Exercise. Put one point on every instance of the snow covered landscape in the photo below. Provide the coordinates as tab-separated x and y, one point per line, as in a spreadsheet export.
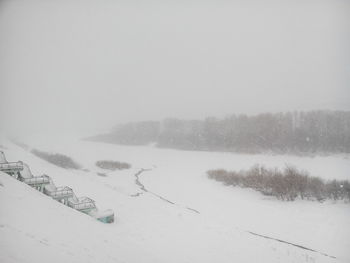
167	210
174	131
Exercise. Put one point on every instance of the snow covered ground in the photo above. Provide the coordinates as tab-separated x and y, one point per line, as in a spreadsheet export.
170	212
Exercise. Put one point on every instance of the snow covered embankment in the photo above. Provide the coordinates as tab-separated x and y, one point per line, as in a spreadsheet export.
35	228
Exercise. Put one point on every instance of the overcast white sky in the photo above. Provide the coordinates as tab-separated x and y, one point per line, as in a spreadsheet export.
81	65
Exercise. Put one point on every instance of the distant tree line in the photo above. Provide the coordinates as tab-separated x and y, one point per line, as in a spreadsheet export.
314	131
286	185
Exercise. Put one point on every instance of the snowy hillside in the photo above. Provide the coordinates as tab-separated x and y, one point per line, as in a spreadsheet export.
166	210
34	228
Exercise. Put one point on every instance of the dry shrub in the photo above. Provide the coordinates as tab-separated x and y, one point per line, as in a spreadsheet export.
112	165
287	184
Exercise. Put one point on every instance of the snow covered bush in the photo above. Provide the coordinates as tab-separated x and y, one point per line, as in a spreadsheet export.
287	185
112	165
57	159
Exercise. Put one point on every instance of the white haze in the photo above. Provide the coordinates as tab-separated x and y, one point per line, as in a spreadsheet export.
82	65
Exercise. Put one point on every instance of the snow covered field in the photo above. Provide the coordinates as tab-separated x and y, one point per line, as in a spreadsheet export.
170	212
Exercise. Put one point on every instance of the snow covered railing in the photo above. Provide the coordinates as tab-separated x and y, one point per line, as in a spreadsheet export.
36	180
64	194
82	203
3	157
87	205
11	167
60	192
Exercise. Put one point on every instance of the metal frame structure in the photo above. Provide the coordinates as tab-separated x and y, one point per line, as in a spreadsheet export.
63	194
83	204
12	168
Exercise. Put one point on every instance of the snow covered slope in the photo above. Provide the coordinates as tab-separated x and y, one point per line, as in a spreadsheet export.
166	211
35	228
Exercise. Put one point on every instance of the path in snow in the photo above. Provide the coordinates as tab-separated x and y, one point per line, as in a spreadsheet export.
144	189
292	244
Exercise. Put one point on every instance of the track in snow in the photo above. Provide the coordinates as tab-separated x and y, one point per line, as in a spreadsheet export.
292	244
144	189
